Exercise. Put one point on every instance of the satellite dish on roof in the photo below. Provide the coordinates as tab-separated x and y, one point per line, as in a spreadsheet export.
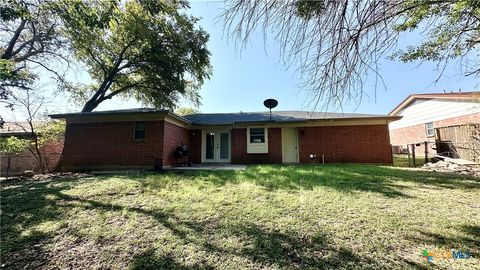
270	103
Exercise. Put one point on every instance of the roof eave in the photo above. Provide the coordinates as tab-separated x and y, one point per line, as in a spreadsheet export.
179	117
95	114
410	98
81	115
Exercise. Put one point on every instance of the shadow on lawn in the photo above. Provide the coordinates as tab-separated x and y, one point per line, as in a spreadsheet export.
291	250
259	245
266	247
388	181
467	239
26	205
149	260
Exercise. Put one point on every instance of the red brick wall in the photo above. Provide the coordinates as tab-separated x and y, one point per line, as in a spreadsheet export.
174	136
417	133
52	151
196	146
111	145
239	147
345	144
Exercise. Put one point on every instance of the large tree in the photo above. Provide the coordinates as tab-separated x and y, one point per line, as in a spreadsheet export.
29	42
338	44
148	50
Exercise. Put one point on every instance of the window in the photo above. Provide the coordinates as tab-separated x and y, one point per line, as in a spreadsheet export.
257	135
429	129
257	140
139	131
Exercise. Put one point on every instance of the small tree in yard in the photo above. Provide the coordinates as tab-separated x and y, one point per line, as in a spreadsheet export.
31	103
40	135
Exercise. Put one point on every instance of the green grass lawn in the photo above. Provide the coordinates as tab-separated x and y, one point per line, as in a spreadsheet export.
401	160
267	217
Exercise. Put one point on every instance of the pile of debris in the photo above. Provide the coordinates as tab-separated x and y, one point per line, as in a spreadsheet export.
30	176
59	176
452	166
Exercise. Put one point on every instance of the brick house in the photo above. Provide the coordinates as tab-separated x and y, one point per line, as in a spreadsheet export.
135	138
422	113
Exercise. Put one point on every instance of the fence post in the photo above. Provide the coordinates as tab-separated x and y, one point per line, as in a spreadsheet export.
8	166
413	155
426	152
408	151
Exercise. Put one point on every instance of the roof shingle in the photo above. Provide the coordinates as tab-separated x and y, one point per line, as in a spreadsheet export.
277	116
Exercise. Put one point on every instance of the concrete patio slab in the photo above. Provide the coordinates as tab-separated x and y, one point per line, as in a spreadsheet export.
211	167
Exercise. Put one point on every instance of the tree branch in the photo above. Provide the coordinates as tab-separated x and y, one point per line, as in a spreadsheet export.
7	54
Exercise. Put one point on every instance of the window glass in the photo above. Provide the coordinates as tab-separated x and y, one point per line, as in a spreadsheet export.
209	143
224	145
139	130
429	129
257	135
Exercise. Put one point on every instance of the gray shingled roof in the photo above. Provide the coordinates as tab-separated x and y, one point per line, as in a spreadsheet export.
241	117
277	116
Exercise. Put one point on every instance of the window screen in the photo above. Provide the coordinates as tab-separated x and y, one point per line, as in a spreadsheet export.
257	135
139	131
429	129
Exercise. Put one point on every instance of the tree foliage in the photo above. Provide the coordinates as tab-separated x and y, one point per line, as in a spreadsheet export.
148	50
49	131
10	146
338	44
453	31
45	132
186	111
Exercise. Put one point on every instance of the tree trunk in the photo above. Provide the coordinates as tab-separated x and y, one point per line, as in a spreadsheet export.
90	105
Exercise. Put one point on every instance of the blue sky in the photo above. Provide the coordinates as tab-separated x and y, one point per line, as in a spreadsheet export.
242	80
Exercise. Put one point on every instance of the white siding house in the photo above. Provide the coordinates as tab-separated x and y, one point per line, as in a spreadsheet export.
422	113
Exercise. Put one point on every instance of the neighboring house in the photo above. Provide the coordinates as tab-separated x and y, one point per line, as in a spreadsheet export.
136	138
422	113
17	129
25	161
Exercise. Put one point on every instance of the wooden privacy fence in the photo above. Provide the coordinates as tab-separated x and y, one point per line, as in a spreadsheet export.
460	141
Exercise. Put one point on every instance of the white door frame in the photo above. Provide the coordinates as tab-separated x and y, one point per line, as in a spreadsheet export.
217	145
